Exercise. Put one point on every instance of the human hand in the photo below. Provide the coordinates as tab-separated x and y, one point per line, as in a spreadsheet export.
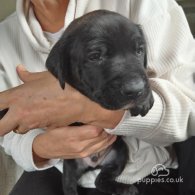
37	103
40	103
70	142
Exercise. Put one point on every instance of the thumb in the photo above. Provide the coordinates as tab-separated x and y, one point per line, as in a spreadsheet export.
23	73
27	76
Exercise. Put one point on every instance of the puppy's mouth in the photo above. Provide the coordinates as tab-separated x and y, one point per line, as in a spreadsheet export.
130	105
114	100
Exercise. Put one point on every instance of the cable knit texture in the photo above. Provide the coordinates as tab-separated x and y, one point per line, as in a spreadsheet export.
171	66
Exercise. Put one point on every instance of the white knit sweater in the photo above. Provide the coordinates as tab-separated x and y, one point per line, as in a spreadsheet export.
171	61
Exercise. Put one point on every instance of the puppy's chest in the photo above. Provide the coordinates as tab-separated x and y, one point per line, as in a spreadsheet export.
96	160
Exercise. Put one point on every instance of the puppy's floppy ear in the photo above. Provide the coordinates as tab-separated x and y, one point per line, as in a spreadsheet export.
58	61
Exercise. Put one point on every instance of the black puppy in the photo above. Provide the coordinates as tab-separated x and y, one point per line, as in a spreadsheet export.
103	55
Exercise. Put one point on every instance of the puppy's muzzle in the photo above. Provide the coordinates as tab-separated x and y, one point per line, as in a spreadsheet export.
134	89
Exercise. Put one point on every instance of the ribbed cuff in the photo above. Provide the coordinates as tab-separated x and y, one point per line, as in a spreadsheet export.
140	127
27	154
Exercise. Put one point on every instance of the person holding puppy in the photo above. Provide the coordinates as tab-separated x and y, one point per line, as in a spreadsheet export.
41	104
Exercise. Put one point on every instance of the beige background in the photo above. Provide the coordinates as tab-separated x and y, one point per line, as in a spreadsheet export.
6	8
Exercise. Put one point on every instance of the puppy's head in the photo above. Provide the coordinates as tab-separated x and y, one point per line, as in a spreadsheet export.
103	55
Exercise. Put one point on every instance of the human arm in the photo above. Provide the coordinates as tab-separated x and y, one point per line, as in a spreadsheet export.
11	143
39	150
40	103
31	150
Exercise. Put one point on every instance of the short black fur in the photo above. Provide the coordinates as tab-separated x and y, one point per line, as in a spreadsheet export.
103	55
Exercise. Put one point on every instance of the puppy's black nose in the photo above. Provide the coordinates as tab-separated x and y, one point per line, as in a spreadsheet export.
133	89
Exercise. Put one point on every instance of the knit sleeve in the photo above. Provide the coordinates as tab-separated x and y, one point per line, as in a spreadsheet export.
20	148
171	65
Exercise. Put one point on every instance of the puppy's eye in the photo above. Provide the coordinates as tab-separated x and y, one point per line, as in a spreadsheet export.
140	50
94	56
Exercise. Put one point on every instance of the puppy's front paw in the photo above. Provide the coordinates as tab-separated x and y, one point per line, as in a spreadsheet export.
143	108
132	190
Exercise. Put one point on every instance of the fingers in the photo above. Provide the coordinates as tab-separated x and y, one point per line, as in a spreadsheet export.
4	99
104	136
95	140
22	73
3	112
21	130
98	147
62	143
27	76
7	124
86	132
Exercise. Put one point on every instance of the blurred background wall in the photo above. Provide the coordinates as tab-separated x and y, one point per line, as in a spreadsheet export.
189	8
6	8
